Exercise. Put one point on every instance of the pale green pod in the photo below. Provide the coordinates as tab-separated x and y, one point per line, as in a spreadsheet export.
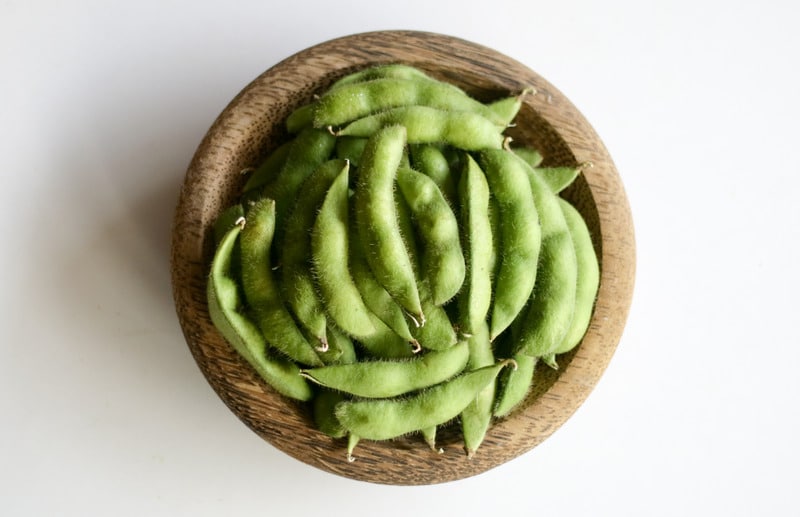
504	111
379	301
430	160
350	148
300	118
393	70
383	343
552	305
513	386
376	218
429	435
262	291
297	281
340	341
479	247
356	100
425	125
588	278
558	178
310	149
477	416
531	156
384	379
519	236
266	172
442	259
330	255
240	332
383	419
437	333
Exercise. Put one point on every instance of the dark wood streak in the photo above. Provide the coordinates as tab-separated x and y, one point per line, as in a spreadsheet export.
251	126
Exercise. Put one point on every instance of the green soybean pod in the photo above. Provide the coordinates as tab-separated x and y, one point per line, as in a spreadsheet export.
477	416
588	278
430	160
383	419
300	118
227	220
394	70
376	218
310	149
297	280
350	148
379	301
504	111
513	386
353	101
425	125
323	408
429	435
262	291
437	333
552	304
243	335
330	255
520	236
558	178
530	155
265	173
476	296
341	342
384	379
383	343
437	227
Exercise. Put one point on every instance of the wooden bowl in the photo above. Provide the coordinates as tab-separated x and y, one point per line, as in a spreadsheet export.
251	126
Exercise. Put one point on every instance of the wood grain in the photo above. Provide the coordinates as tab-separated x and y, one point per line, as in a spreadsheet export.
251	126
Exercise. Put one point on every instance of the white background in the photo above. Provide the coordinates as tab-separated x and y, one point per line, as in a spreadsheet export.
104	412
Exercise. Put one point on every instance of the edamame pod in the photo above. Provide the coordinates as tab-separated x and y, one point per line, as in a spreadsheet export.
310	149
261	290
431	161
353	101
266	172
241	333
383	379
376	218
383	343
588	278
297	280
324	418
330	256
514	385
383	419
519	239
379	301
300	118
552	303
395	70
441	256
531	156
350	148
558	178
476	297
477	416
424	125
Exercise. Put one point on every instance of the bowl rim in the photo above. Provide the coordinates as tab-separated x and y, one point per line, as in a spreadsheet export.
252	114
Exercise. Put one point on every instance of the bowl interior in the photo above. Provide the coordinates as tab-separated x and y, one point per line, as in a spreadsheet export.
252	126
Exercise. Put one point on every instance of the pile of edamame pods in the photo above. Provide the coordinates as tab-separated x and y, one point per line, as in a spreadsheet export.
398	265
